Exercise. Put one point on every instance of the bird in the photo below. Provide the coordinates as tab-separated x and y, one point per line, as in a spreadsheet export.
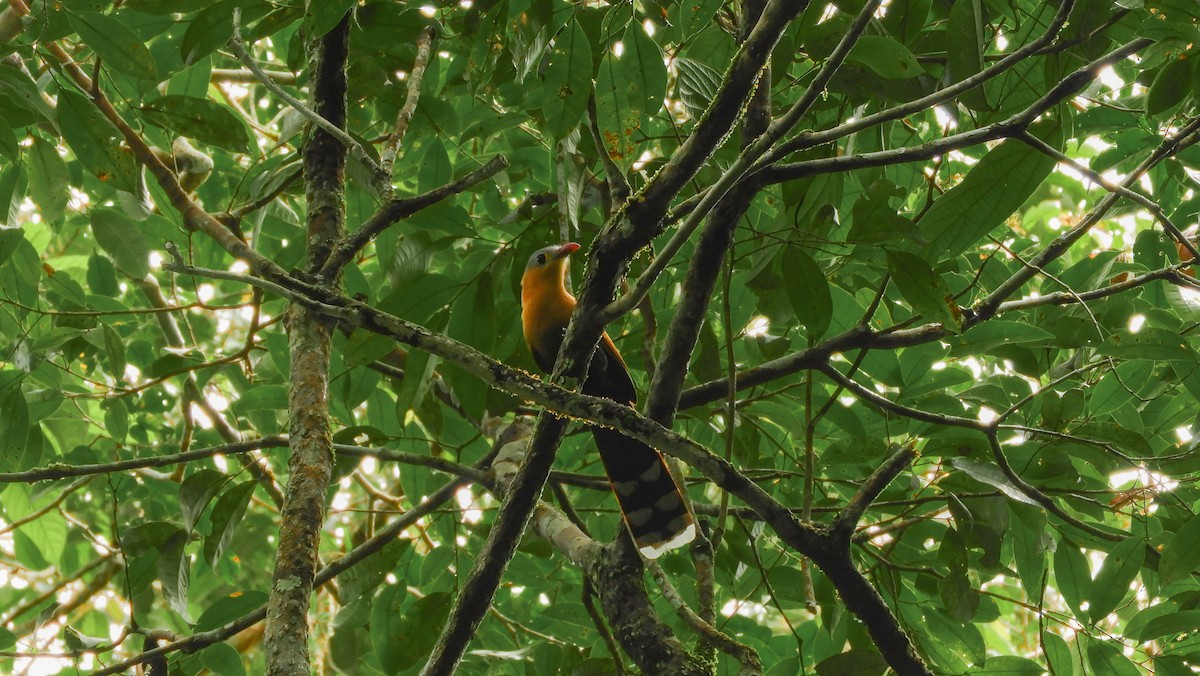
652	504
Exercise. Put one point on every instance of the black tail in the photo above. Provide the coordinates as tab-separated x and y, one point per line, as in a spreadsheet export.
652	504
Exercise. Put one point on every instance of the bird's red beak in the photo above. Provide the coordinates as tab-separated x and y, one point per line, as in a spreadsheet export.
566	250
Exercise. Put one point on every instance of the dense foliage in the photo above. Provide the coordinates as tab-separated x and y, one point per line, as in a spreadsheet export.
944	249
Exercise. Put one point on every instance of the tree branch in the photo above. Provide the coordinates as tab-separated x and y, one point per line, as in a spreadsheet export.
285	638
397	209
388	156
741	166
847	520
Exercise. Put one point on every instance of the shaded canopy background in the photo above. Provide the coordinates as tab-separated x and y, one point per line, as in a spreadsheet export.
992	276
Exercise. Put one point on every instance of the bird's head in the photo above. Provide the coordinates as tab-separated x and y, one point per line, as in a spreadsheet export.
549	263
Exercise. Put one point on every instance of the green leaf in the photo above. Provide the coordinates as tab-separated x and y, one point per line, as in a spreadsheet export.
322	17
1114	389
8	141
14	421
696	16
200	119
951	639
1030	544
122	239
405	638
964	49
365	347
116	419
387	626
174	572
994	188
167	6
19	90
445	216
7	639
173	363
698	85
118	46
1072	575
886	57
924	290
48	183
364	578
1157	344
1108	659
77	641
863	662
1063	661
207	31
419	369
434	168
987	336
629	89
808	292
1170	87
1119	569
1182	553
567	83
354	386
195	493
226	515
1009	665
222	658
263	398
473	321
114	347
1171	624
229	608
991	475
96	142
958	598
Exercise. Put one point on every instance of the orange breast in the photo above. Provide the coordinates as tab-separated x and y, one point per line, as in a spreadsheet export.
545	311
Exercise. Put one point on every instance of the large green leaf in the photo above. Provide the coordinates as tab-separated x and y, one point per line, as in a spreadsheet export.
229	608
14	420
322	17
1109	659
195	493
568	81
808	291
222	658
96	141
994	188
226	515
1182	554
925	290
199	119
886	57
402	638
118	46
1111	585
1072	575
207	31
965	49
48	180
122	239
629	89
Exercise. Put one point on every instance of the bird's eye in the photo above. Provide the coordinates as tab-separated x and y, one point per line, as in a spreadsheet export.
541	258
